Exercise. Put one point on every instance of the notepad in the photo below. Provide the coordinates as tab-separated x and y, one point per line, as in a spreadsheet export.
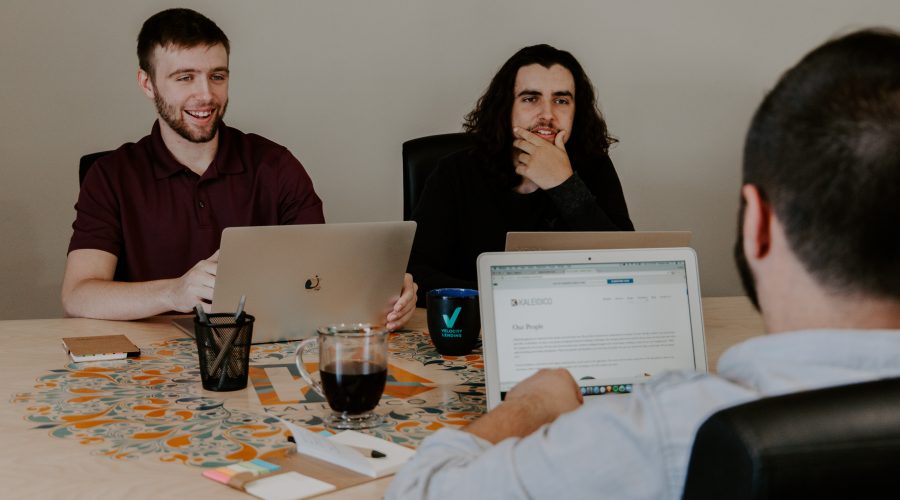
99	348
268	481
287	486
342	450
320	464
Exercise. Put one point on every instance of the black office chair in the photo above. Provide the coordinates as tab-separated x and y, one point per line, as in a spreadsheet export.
840	442
86	161
420	157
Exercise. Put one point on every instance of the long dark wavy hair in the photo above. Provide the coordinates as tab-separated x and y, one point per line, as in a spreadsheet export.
490	123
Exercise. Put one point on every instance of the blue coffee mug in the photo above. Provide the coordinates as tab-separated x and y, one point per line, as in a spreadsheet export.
453	320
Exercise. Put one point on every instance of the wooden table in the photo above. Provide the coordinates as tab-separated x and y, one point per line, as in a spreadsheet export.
50	460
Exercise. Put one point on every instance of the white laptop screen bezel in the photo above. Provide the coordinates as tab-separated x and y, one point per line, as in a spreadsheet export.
488	260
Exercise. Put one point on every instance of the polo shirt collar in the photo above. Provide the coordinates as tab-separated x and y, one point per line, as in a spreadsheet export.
166	164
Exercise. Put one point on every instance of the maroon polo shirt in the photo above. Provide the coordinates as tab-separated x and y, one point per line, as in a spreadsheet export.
160	218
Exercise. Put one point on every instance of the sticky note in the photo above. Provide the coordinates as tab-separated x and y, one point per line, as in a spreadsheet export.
267	465
255	467
217	475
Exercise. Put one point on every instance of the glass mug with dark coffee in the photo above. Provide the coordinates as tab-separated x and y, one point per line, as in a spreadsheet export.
353	369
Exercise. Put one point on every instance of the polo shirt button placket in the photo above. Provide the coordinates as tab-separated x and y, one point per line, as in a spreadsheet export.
203	215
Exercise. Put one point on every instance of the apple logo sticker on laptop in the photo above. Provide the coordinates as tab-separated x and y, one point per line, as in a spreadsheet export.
312	283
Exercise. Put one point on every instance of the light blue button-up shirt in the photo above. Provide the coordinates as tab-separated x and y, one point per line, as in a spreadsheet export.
638	445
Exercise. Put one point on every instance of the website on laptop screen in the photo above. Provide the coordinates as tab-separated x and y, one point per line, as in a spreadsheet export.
610	324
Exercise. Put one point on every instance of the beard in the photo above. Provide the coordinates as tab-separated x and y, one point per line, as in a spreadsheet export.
740	260
172	116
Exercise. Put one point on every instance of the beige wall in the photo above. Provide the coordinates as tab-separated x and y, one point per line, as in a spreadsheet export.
343	84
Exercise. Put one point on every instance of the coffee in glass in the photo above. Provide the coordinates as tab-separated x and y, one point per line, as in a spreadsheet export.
353	372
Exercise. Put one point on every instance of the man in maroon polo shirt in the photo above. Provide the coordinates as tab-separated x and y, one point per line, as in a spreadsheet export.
150	215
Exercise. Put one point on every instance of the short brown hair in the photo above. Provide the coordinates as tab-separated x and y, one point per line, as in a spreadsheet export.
824	150
183	28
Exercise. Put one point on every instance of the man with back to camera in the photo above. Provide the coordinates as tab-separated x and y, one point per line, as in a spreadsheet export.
817	249
150	215
539	163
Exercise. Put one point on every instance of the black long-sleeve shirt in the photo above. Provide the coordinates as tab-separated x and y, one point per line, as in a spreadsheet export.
464	212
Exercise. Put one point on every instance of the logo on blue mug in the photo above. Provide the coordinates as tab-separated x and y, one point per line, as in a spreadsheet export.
450	321
453	321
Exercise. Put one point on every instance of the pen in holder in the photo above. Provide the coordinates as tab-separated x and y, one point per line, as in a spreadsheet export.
223	346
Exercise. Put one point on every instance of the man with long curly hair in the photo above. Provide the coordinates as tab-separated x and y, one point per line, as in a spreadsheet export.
538	162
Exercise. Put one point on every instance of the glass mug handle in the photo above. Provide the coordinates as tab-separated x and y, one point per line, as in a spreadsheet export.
298	360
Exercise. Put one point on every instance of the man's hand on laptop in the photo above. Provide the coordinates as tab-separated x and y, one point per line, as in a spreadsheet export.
405	305
533	402
195	286
550	393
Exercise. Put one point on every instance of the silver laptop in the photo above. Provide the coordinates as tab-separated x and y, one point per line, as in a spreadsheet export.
613	318
518	241
298	278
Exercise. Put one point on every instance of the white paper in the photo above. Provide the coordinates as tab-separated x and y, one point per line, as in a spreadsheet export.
288	486
396	455
337	450
318	446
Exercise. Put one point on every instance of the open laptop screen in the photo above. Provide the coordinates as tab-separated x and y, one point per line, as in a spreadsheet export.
612	324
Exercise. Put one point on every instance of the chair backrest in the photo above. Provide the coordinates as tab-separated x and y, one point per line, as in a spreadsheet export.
86	161
420	157
839	442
